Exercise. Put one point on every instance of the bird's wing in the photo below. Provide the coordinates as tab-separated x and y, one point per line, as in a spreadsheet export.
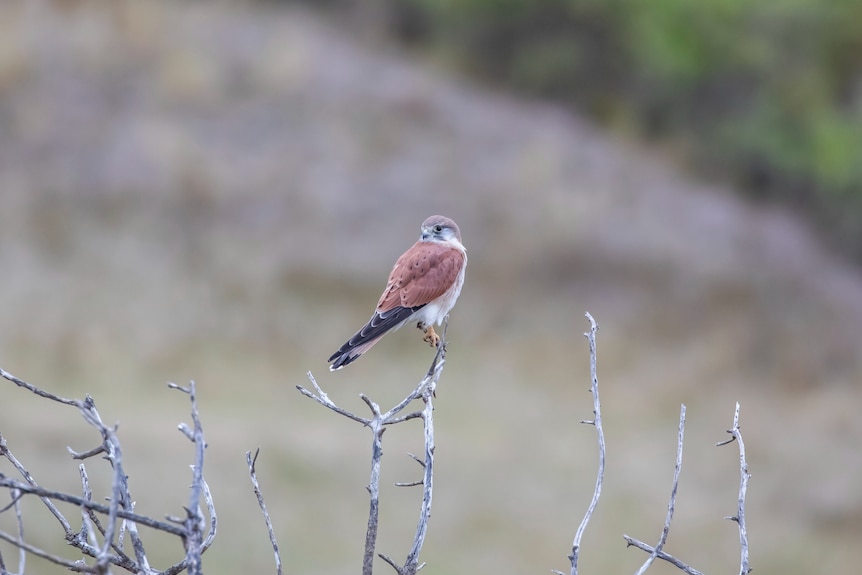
422	274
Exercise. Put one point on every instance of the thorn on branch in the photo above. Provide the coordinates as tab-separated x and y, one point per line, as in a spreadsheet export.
416	459
391	563
186	430
727	441
409	484
86	454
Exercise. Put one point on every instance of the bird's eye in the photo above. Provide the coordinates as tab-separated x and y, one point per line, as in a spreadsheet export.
438	228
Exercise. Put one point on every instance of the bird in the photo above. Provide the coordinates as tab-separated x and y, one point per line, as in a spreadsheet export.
423	286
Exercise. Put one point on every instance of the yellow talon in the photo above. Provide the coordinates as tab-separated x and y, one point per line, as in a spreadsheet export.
431	336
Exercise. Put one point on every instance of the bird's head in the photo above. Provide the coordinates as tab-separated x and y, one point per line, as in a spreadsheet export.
440	229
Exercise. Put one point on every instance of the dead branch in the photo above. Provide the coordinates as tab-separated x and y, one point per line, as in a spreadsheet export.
657	552
194	522
632	542
597	423
42	493
744	476
103	527
252	462
378	422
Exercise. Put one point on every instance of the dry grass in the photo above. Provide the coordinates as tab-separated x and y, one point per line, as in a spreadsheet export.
217	193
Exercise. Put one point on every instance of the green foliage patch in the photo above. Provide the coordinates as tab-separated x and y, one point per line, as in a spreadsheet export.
767	93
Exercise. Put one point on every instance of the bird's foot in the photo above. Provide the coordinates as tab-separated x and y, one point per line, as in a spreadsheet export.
431	336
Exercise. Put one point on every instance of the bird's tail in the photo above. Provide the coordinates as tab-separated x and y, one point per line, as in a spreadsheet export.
379	325
349	353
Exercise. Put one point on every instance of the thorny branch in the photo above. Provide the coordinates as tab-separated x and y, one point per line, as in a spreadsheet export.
597	422
112	521
425	391
744	476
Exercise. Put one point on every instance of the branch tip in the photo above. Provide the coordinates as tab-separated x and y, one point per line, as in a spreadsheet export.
600	436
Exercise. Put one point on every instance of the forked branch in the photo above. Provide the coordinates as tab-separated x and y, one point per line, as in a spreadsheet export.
657	552
378	422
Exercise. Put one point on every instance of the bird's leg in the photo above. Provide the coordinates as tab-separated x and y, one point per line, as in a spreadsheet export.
430	335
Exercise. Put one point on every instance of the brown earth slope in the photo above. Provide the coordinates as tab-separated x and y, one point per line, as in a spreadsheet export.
217	193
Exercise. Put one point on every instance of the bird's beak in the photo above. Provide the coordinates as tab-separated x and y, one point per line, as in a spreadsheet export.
425	235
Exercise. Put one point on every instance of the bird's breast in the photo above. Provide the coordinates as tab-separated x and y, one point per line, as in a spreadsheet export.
436	310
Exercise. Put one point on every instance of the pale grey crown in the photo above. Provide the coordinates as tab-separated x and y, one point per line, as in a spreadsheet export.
440	229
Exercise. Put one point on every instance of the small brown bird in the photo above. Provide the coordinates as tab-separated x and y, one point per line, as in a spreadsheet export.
423	286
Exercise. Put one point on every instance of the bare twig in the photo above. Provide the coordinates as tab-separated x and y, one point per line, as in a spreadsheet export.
597	422
413	483
119	484
377	430
3	570
744	476
43	493
409	483
5	452
76	566
252	461
193	523
210	503
657	551
86	511
22	556
194	519
89	519
377	423
323	399
118	516
631	541
32	388
16	496
411	565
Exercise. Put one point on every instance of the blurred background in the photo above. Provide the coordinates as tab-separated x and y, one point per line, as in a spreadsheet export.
217	191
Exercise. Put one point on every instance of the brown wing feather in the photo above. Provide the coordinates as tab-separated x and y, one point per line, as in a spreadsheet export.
421	275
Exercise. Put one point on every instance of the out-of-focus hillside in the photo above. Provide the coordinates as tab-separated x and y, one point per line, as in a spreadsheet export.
765	94
217	192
